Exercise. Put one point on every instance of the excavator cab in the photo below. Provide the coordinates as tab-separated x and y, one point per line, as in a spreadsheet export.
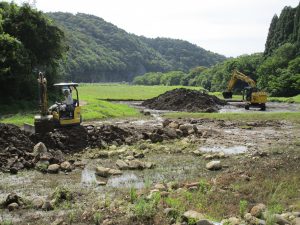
67	112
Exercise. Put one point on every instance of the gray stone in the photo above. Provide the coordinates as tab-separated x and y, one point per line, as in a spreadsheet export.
66	166
102	171
53	168
39	148
170	132
136	164
174	125
13	206
115	172
192	215
204	222
280	220
122	165
45	156
258	210
47	206
160	187
214	165
38	203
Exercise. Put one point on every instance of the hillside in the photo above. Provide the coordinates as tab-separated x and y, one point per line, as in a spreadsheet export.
100	51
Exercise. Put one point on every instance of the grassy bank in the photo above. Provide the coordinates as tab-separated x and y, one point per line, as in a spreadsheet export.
257	116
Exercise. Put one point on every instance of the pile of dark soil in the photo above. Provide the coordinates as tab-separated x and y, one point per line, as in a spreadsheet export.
74	139
104	135
66	139
185	100
15	148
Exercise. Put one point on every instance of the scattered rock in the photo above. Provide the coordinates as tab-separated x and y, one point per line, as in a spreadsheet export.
102	171
204	222
13	206
54	168
39	149
13	198
122	164
214	165
66	166
197	153
192	215
38	203
160	187
257	210
47	206
280	220
115	172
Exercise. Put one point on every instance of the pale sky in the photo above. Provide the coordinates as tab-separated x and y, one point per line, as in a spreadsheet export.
228	27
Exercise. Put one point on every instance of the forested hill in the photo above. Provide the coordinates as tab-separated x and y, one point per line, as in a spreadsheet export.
100	51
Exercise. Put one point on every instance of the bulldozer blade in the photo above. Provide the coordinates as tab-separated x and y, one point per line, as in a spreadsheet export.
29	128
227	94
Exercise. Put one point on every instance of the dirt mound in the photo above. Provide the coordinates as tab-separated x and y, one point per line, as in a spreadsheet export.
66	139
15	148
74	139
185	100
103	135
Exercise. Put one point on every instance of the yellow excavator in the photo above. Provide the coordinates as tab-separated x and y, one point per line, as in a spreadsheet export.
251	95
65	113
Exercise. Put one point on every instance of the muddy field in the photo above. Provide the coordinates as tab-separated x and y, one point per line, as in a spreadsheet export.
137	171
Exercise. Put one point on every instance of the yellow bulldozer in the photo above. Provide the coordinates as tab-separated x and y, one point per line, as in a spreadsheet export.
251	95
64	113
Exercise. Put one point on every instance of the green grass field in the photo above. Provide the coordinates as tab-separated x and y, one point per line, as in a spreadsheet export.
92	96
257	116
123	91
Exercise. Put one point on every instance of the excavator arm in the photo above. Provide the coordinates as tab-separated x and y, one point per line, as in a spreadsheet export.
236	75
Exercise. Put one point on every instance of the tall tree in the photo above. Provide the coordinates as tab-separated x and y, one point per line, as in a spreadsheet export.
269	46
296	30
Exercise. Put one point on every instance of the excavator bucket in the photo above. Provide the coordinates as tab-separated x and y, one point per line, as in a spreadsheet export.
227	94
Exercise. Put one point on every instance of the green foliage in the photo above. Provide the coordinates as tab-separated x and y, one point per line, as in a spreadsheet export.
144	209
100	51
29	42
133	195
62	194
204	186
279	73
243	207
6	222
97	218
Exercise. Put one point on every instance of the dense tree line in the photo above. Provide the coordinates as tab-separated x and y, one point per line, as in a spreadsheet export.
29	42
100	51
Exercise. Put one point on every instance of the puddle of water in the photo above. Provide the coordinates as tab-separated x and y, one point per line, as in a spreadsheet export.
126	180
227	150
270	107
88	177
